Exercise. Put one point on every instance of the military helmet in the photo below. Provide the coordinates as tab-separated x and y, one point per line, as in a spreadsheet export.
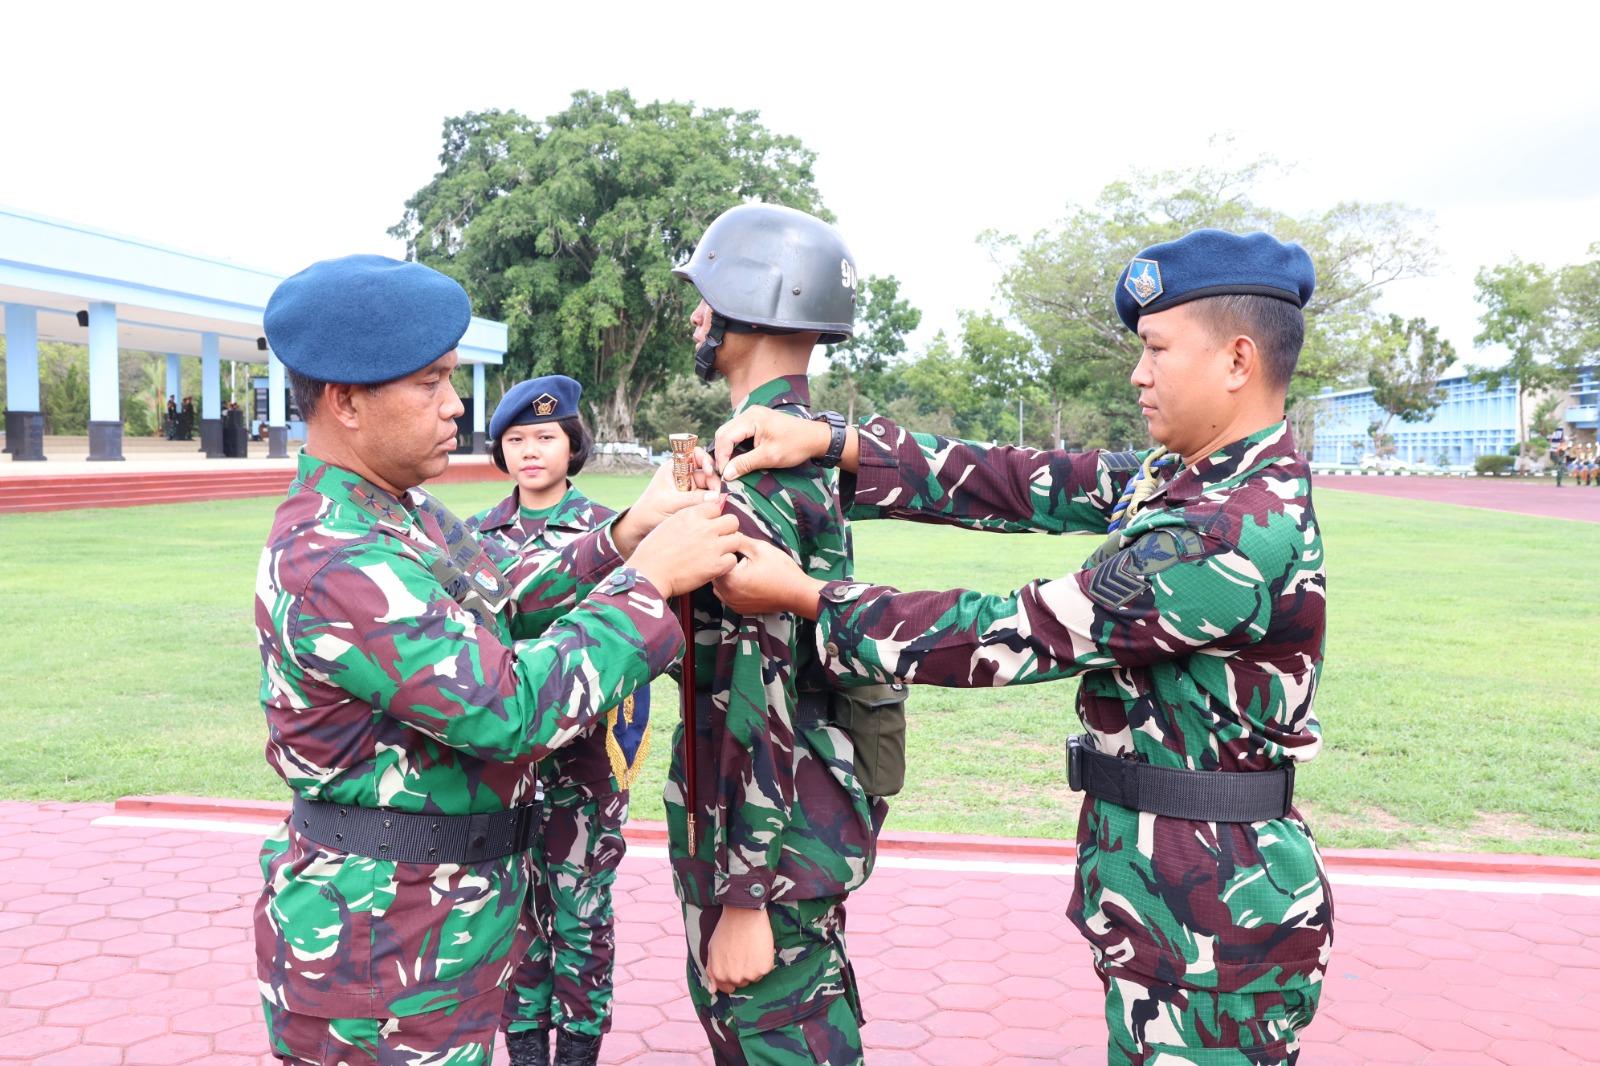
772	266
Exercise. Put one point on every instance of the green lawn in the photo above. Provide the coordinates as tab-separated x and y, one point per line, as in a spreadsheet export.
1460	702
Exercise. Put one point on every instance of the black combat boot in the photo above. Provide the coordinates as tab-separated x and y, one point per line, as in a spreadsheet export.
575	1050
530	1047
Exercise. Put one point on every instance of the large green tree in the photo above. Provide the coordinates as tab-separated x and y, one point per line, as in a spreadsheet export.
567	229
1405	362
1059	282
1521	314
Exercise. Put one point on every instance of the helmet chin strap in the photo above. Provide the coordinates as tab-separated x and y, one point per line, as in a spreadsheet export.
705	356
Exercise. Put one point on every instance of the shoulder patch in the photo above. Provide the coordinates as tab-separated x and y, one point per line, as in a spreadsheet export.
1120	578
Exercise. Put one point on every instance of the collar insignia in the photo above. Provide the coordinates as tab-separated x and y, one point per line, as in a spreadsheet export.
1144	281
544	405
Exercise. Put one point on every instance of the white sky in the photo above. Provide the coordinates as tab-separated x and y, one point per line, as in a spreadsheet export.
278	134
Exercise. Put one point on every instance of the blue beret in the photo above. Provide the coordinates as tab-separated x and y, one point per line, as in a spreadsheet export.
365	319
546	399
1213	262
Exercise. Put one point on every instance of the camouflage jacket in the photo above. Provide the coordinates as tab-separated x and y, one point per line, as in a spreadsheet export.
582	767
1198	635
780	814
380	690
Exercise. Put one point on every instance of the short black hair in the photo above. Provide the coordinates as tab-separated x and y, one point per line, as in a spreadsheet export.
578	438
1277	326
308	392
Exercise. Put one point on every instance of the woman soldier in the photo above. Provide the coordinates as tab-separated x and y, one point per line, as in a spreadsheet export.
565	980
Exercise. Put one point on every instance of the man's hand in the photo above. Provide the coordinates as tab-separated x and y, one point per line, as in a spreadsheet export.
767	580
661	498
780	441
741	949
689	548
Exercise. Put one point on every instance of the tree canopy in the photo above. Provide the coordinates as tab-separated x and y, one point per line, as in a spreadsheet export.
567	229
1058	282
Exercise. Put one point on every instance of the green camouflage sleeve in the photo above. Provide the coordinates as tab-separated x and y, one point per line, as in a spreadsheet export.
377	623
926	478
546	582
1170	593
755	778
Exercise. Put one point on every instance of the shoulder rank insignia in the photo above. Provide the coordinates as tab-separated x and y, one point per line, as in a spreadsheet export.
1120	578
1144	281
544	404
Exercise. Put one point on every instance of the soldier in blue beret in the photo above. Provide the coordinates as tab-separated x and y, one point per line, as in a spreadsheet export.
406	709
1196	629
564	983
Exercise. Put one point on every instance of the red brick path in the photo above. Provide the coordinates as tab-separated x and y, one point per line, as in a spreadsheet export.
132	944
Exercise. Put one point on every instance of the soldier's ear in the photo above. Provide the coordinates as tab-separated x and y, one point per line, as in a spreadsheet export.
341	403
1244	363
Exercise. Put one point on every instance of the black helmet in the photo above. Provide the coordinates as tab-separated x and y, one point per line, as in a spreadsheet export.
772	269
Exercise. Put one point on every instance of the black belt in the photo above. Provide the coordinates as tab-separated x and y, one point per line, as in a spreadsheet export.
398	836
1197	795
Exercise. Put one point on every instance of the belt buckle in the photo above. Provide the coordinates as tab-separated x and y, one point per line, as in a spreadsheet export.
1075	763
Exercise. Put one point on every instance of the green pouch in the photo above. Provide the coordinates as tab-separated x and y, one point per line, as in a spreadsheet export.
875	718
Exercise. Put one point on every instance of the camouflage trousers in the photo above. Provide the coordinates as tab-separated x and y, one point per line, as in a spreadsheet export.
461	1036
1155	1024
565	979
805	1011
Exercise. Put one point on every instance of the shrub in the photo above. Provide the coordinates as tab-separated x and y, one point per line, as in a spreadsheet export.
1493	464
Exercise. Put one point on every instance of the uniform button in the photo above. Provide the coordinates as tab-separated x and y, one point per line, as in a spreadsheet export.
877	431
757	891
383	847
387	824
435	827
338	836
343	813
833	649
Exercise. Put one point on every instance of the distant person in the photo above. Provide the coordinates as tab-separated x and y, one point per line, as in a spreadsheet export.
186	419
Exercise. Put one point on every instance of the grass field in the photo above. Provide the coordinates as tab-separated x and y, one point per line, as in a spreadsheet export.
1460	702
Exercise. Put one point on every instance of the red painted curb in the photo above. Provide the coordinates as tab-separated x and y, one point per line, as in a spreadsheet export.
908	842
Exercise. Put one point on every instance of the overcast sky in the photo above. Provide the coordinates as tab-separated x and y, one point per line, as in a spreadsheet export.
278	134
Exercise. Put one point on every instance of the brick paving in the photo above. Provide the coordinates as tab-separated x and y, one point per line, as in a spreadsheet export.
129	941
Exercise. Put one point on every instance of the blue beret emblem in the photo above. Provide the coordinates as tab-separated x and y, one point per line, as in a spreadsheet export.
545	405
1144	281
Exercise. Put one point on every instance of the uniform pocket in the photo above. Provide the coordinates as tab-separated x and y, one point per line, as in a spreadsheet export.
606	846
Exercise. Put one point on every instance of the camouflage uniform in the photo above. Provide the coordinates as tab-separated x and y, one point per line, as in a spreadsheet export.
1197	632
381	690
565	979
782	821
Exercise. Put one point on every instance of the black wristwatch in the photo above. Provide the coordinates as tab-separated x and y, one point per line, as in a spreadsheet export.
836	426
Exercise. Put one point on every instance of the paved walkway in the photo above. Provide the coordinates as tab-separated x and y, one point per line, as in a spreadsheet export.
1541	498
126	939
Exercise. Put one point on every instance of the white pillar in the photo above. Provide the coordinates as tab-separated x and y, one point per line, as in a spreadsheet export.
210	397
210	377
479	445
24	416
174	380
105	404
277	410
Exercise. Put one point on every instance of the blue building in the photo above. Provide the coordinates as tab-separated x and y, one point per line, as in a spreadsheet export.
1582	417
1473	420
